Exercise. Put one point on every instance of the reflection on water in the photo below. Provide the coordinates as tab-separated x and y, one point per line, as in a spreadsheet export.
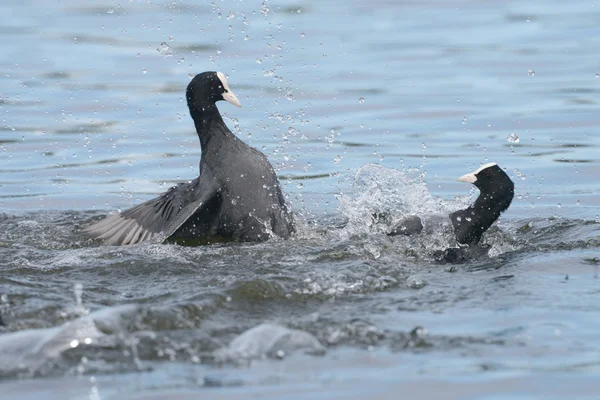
94	119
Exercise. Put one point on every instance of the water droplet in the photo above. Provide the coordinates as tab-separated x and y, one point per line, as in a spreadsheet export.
464	120
520	174
302	35
361	100
269	72
258	61
233	202
110	11
331	137
558	205
264	9
459	219
300	186
513	138
74	343
337	159
416	282
597	76
528	19
144	70
165	50
531	72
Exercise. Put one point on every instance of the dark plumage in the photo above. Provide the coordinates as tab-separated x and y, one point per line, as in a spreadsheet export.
407	226
496	193
236	197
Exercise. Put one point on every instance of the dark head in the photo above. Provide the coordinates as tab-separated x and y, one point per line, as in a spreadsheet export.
206	89
496	193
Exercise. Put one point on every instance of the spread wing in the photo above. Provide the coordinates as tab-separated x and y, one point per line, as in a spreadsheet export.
157	218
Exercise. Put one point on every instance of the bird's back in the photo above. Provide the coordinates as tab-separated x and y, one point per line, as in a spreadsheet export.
250	204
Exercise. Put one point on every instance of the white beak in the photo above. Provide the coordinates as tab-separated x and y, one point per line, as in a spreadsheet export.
231	98
228	95
468	178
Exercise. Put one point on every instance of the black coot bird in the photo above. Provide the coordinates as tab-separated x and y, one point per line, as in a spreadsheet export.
236	197
496	193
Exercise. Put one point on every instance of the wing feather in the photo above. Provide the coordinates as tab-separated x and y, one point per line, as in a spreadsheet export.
161	214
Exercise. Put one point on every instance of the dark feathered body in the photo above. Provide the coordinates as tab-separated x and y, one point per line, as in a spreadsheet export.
248	203
496	193
236	197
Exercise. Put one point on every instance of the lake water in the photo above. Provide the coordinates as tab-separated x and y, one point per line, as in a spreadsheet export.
94	120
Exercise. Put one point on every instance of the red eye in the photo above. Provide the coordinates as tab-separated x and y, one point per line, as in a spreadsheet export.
214	84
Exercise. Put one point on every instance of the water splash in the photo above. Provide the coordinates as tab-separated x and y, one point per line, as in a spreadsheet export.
165	50
383	196
513	138
264	8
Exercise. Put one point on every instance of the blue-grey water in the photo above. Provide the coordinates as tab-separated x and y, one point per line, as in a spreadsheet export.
362	107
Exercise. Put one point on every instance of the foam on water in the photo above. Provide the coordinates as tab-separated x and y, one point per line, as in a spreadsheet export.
383	196
269	340
185	288
31	351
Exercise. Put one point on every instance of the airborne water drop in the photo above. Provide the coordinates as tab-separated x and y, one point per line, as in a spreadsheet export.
513	138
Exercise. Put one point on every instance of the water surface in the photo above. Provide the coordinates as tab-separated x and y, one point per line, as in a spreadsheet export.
94	120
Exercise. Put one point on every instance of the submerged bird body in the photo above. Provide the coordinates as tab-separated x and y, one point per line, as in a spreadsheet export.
496	193
236	197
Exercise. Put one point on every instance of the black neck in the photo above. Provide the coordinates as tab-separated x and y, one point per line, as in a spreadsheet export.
471	223
204	119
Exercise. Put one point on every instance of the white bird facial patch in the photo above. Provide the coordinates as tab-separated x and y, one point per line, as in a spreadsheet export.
223	80
228	94
492	164
472	177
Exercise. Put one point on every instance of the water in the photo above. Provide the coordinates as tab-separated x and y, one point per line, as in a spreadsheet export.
94	120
